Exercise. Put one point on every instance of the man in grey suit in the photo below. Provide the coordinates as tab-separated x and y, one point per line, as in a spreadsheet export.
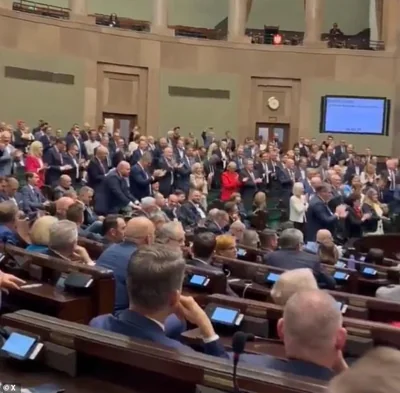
6	154
290	257
32	198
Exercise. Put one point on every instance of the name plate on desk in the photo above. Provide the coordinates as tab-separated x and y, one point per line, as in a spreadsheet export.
255	312
357	302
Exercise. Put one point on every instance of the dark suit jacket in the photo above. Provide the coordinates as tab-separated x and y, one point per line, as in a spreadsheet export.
336	200
32	199
135	157
70	140
54	160
140	182
353	224
96	174
137	326
46	142
319	217
72	173
189	215
248	188
183	175
332	160
370	225
285	180
212	227
117	157
116	193
292	259
351	171
170	177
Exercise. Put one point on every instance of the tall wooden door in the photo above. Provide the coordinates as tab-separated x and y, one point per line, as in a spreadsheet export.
124	123
268	131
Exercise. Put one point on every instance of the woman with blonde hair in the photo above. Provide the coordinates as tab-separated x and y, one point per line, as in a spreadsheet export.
226	246
34	162
298	206
213	146
40	234
291	282
259	202
368	176
198	182
371	205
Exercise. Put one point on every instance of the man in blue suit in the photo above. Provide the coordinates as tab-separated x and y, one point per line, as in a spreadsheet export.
116	190
32	198
55	162
8	222
74	138
319	216
154	281
290	256
140	179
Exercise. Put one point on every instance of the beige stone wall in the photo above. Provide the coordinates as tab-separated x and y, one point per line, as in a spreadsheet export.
139	67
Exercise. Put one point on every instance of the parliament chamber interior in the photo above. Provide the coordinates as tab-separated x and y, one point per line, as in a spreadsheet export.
199	196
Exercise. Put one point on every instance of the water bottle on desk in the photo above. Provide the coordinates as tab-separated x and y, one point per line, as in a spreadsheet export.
351	264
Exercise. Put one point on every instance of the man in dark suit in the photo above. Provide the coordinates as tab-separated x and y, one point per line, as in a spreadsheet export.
191	212
313	335
71	159
116	190
301	170
119	154
329	156
137	154
170	166
341	150
290	256
263	171
149	313
319	216
74	137
354	169
250	182
183	174
286	177
97	169
231	143
337	192
217	221
32	198
140	179
55	162
11	193
214	181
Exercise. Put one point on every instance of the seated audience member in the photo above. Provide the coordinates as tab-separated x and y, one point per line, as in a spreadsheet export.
40	234
217	221
251	240
328	253
63	187
158	218
154	283
323	235
233	211
148	207
376	372
8	223
62	206
75	215
313	335
226	246
237	231
291	282
63	243
268	241
11	193
139	231
290	256
171	234
171	208
376	256
85	196
160	200
32	198
113	230
191	212
354	222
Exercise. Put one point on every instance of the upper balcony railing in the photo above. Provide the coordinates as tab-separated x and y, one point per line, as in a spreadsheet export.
270	35
34	7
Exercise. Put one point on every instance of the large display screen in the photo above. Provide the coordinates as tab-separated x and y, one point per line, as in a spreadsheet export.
355	115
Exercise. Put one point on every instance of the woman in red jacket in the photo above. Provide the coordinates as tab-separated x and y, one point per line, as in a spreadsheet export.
230	182
34	162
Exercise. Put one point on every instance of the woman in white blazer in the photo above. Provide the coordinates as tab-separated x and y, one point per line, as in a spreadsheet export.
298	207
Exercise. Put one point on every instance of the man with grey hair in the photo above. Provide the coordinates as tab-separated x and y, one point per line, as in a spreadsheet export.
237	229
216	221
171	234
63	187
154	281
63	243
158	218
148	206
250	183
290	256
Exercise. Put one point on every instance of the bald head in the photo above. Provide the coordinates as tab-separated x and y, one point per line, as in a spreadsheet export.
62	206
124	168
101	152
323	235
311	327
140	230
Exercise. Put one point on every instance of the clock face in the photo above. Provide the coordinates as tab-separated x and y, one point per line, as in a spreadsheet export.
273	103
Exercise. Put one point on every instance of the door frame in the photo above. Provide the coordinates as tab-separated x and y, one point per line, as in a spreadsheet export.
284	126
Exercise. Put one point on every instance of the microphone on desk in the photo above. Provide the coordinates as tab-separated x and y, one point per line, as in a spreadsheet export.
239	341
